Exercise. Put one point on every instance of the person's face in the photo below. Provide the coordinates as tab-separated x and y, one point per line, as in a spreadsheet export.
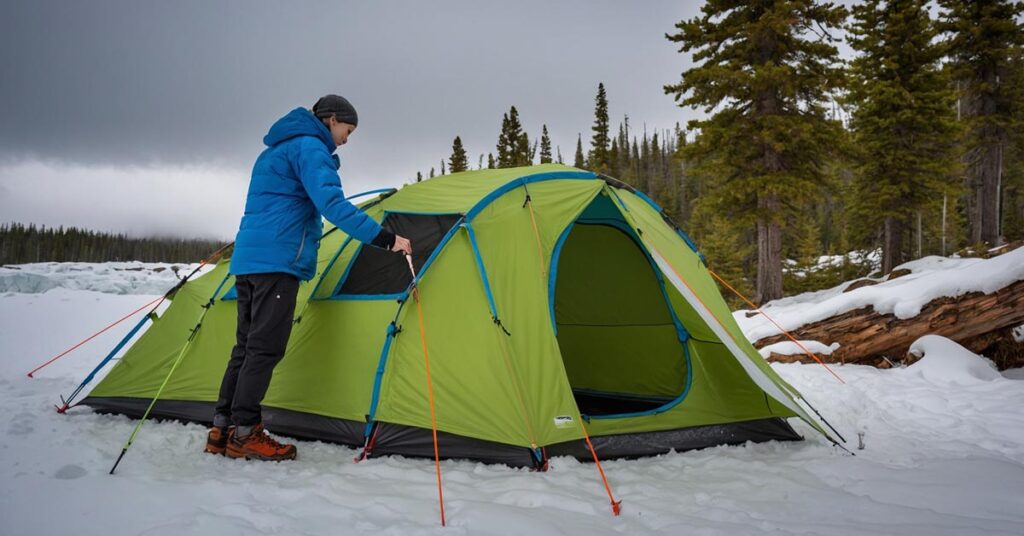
340	131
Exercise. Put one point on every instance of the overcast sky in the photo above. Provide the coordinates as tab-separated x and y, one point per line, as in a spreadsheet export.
145	117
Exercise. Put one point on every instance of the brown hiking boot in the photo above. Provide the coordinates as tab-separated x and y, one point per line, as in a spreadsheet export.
258	445
217	440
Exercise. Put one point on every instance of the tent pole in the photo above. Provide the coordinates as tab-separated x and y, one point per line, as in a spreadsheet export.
174	366
67	403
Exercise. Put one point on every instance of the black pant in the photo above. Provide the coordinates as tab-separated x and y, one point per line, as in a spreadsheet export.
266	304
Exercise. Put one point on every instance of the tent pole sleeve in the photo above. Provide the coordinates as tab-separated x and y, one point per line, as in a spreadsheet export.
480	265
92	374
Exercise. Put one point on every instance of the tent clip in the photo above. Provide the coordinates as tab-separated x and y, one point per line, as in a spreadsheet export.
498	323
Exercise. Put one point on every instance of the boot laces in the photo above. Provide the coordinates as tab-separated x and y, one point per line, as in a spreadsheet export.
266	439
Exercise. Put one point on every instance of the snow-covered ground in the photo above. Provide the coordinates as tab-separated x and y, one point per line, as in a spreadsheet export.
943	454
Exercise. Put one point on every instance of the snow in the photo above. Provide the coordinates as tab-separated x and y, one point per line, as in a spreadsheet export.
930	278
872	259
792	348
943	361
111	277
944	454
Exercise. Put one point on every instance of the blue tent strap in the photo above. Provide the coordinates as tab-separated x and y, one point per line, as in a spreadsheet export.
553	274
661	409
213	298
392	330
109	357
371	192
480	266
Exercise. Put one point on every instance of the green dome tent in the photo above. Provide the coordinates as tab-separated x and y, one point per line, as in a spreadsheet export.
551	299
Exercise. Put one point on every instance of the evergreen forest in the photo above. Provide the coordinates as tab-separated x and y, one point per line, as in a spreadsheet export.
808	168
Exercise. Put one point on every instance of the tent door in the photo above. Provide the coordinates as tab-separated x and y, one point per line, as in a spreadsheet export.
622	346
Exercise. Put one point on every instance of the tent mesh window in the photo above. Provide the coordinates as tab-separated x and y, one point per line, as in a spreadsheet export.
376	271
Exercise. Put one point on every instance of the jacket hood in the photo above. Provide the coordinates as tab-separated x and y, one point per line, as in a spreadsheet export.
298	122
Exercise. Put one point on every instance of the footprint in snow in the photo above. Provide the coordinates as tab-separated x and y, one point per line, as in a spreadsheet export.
70	472
21	424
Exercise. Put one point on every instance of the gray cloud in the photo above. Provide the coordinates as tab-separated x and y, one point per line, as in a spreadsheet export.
197	83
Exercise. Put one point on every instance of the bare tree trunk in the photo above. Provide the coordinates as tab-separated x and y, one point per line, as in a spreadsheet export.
892	245
769	251
984	169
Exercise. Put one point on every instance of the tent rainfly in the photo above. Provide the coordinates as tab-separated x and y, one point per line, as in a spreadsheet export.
555	303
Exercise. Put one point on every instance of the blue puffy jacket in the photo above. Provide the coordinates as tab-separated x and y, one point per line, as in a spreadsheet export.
294	181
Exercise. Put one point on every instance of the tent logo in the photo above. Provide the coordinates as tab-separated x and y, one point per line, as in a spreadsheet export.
563	421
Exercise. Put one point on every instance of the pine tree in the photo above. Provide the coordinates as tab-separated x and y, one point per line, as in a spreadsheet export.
419	176
443	172
545	146
578	158
599	142
523	155
513	146
490	161
458	161
431	176
558	151
903	122
983	35
766	68
502	148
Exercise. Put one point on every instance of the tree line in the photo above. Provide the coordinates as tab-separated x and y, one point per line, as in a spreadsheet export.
912	147
23	244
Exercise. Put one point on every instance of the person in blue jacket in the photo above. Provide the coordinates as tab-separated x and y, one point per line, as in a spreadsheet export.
294	182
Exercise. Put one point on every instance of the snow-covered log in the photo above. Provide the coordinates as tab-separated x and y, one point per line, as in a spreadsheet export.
980	322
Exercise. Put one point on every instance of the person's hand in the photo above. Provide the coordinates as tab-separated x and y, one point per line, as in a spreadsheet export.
402	245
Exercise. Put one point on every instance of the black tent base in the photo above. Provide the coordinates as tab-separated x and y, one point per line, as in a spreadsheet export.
396	439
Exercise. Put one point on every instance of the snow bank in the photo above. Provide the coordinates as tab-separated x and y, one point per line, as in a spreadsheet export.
930	278
943	361
792	348
110	277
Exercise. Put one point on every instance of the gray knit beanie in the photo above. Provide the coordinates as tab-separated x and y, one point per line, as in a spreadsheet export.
337	106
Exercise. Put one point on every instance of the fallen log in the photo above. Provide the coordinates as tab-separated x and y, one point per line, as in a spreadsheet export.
980	322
